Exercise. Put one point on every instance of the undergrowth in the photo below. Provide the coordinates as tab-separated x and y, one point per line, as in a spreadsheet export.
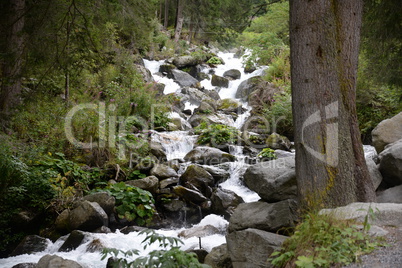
323	241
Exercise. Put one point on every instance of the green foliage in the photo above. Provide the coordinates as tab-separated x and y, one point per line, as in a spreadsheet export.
132	203
216	134
214	61
278	72
322	241
267	154
280	113
168	255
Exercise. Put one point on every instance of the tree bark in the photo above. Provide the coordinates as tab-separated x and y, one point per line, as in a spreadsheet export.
179	20
166	21
330	164
12	62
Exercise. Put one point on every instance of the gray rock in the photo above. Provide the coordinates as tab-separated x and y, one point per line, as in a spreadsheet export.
189	194
251	248
185	61
232	73
224	202
30	244
150	184
375	174
157	150
73	241
273	180
263	96
145	73
54	261
214	118
386	214
204	108
219	81
230	106
391	195
95	246
168	182
196	96
247	86
183	79
208	156
198	177
106	201
249	69
219	174
87	216
219	257
278	142
199	231
264	216
174	205
166	69
388	131
163	172
391	163
283	154
62	222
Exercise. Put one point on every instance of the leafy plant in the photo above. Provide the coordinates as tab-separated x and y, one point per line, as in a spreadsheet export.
267	154
322	241
168	256
280	113
214	61
132	203
216	134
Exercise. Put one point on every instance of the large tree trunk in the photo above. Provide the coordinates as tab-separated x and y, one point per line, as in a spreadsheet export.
330	165
179	20
166	19
13	49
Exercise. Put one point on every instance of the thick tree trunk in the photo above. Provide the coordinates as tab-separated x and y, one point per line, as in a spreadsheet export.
179	20
330	165
12	61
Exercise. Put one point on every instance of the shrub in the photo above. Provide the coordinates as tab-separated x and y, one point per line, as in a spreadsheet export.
280	112
216	134
322	241
132	203
267	154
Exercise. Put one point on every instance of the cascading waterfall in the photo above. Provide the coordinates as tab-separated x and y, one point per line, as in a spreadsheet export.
176	144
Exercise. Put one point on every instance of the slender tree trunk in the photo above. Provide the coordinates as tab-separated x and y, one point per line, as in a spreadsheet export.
179	20
165	24
330	165
12	63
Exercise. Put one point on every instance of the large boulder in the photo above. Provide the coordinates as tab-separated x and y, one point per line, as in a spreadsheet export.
150	183
145	73
87	216
185	61
214	118
274	180
263	96
106	201
219	174
278	142
391	163
388	131
251	248
248	86
230	106
54	261
198	177
391	195
163	172
264	216
189	194
375	174
232	74
183	78
166	69
224	202
385	214
219	81
196	96
30	244
208	156
199	231
73	241
219	257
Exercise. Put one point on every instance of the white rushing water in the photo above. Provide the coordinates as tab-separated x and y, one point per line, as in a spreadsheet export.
176	144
